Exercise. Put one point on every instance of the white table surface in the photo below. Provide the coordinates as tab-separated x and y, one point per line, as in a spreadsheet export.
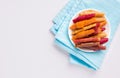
27	47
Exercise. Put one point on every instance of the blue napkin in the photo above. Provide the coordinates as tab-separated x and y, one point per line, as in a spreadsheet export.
58	20
60	17
92	60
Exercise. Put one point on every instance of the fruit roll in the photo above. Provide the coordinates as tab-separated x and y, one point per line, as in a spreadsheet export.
87	45
103	23
100	35
83	34
84	28
84	40
103	40
103	29
83	23
89	27
97	14
83	17
96	48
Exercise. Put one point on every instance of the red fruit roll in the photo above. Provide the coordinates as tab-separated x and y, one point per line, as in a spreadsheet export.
103	40
96	28
102	47
83	17
103	29
96	48
77	41
88	45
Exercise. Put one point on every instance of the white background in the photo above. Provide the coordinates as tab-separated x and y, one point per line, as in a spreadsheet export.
27	48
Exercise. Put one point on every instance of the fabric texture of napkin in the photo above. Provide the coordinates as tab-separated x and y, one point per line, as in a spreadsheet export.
57	23
61	23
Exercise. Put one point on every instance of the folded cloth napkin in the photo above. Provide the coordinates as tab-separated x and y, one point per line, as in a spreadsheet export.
58	20
92	60
60	17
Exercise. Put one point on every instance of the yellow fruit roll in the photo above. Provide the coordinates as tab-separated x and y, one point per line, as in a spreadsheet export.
100	35
89	27
84	23
83	34
103	23
81	24
83	29
73	27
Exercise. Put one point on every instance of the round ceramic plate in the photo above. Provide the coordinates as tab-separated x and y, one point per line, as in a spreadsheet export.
70	32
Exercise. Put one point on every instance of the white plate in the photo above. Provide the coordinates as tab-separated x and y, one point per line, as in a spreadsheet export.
70	32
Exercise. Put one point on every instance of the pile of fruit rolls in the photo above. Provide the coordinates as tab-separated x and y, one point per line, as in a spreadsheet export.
88	30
